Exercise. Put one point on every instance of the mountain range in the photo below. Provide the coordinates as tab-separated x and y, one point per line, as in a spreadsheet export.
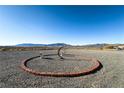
64	44
39	45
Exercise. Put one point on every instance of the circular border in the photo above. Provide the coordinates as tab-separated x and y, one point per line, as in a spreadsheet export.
97	65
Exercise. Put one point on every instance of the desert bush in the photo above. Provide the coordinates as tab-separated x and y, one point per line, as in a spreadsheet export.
109	47
3	49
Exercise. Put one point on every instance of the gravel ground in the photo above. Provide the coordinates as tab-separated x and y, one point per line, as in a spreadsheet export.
111	75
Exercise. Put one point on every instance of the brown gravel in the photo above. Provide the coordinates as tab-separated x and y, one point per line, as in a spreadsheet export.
111	75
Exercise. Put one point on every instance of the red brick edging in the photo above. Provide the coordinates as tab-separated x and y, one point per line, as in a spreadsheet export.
97	65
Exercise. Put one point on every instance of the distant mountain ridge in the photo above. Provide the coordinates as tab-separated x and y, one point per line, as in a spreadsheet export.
38	45
63	44
96	45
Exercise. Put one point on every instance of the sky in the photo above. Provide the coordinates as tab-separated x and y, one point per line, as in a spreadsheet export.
76	25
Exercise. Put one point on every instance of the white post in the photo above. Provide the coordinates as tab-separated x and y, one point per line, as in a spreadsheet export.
41	55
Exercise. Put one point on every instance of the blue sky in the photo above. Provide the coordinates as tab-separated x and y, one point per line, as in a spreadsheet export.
75	25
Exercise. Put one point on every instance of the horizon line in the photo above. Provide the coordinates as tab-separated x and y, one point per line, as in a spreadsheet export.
61	43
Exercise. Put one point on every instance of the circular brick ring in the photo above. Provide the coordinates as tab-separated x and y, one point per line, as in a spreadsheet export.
97	65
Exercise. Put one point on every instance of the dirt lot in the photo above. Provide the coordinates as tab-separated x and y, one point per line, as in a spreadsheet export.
111	75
